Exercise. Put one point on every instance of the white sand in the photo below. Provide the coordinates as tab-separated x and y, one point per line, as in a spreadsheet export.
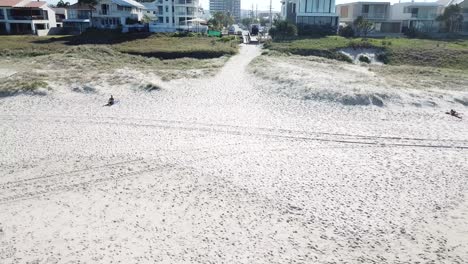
225	170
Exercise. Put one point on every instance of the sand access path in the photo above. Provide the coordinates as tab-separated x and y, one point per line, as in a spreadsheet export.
214	170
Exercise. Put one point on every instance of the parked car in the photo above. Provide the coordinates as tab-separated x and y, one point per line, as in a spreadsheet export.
254	29
235	30
232	30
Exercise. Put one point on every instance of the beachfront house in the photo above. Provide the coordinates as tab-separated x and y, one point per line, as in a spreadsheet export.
418	15
26	17
393	19
113	14
310	15
175	15
78	18
376	12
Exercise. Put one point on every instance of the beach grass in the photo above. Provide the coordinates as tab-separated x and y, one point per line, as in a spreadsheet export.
399	51
162	46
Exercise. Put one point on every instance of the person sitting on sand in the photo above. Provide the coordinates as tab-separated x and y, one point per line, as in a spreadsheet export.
453	113
111	101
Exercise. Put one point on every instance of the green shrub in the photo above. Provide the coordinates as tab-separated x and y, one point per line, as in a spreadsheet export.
382	57
365	59
150	87
316	30
227	38
347	32
283	30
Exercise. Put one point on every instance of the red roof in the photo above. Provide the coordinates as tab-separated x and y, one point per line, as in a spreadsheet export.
9	3
35	4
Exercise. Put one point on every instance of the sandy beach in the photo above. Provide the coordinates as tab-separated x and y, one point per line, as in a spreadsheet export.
241	167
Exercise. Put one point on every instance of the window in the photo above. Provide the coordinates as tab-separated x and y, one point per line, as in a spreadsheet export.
154	12
167	9
365	9
167	20
344	11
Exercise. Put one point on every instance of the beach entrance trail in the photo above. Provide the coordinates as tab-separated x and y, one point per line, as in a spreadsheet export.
216	170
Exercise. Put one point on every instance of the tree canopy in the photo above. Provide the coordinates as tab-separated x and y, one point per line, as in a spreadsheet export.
220	20
88	2
452	18
62	4
363	26
283	30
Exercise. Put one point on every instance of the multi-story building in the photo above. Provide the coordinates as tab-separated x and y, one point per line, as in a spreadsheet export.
396	18
78	18
113	14
26	17
173	15
319	13
376	12
231	7
419	15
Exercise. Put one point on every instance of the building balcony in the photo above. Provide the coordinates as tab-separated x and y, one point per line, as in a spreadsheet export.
185	2
28	17
374	15
185	13
80	17
423	16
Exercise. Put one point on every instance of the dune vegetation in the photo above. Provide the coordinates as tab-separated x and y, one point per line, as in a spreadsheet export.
36	64
398	51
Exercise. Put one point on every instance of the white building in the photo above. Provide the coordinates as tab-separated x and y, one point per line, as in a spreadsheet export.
419	15
377	12
26	17
78	18
174	15
317	13
396	18
112	14
60	15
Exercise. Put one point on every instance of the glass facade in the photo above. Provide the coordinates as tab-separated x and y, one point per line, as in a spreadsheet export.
317	20
316	6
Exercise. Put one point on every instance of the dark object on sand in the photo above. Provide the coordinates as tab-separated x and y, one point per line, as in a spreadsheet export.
454	113
110	102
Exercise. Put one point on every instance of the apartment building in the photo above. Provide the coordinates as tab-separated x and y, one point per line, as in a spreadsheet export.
173	15
227	6
26	17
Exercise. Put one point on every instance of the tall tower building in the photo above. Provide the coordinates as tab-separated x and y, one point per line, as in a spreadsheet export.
226	6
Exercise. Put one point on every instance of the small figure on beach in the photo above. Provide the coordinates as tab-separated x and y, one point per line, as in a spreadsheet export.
453	113
110	101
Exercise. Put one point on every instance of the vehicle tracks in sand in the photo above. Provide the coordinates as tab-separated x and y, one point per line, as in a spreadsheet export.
275	133
30	188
